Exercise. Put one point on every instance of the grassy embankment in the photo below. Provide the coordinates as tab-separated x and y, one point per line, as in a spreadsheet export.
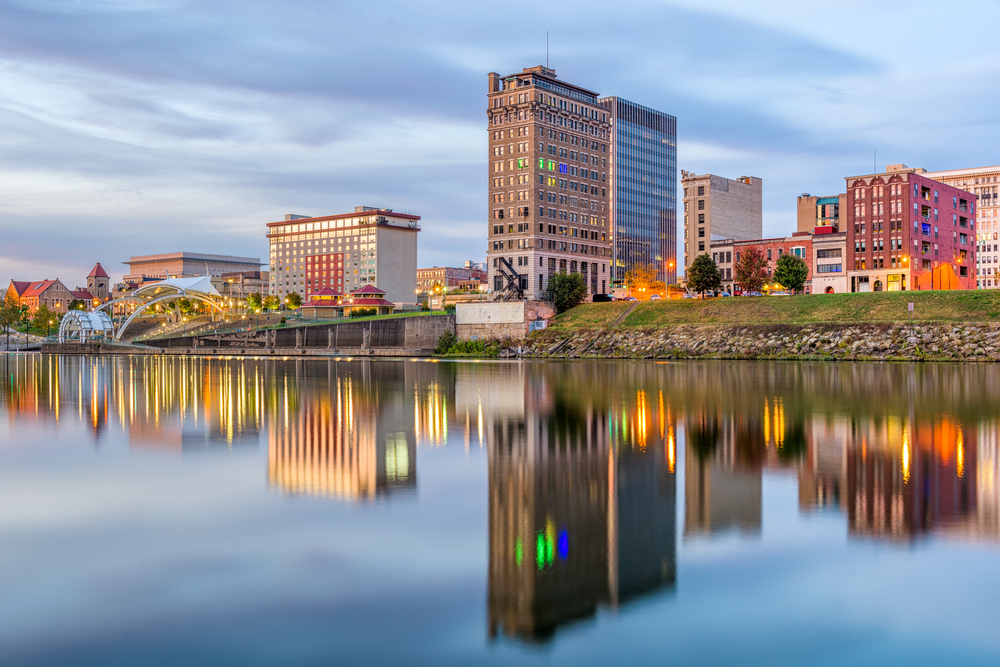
944	306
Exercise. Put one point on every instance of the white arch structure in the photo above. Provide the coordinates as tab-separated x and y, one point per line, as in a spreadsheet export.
198	288
82	326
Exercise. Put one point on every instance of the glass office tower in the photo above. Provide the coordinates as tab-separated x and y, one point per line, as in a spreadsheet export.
644	183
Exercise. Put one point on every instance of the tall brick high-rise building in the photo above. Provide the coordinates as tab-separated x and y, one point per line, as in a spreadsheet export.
907	231
549	203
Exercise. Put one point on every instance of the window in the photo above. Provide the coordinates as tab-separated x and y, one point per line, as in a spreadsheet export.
701	204
701	190
701	232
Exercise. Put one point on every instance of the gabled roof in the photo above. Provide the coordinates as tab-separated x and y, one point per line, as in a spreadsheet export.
82	294
97	272
368	289
20	286
371	302
322	303
37	288
326	291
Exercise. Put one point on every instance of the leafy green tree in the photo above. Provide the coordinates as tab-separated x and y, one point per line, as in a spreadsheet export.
43	318
750	271
184	305
255	302
791	272
78	304
566	290
703	275
10	314
294	300
271	302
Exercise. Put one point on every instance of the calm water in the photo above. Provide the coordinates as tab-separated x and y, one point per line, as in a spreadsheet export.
268	512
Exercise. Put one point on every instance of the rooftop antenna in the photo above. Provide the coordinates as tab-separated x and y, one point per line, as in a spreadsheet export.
546	49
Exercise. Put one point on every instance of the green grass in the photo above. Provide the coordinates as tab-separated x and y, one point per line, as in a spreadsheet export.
944	306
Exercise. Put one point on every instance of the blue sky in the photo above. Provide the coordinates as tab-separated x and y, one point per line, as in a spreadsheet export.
141	126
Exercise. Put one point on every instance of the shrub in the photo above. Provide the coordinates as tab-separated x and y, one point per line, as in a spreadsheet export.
282	322
445	342
566	290
363	312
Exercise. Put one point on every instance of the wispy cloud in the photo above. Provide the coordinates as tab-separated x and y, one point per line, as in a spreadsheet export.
135	127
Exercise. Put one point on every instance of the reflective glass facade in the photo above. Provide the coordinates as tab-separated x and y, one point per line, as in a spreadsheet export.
644	187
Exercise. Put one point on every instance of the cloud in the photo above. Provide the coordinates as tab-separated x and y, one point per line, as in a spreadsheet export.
136	127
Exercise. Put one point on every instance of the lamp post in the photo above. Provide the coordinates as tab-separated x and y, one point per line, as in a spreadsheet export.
47	326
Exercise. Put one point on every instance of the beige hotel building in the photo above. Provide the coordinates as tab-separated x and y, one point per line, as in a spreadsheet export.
549	182
345	252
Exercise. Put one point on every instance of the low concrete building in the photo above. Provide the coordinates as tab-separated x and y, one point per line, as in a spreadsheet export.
829	249
187	264
499	319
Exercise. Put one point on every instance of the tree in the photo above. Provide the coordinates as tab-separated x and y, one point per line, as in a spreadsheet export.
751	269
255	302
703	275
78	304
294	300
642	281
10	314
791	272
43	317
271	302
566	290
184	305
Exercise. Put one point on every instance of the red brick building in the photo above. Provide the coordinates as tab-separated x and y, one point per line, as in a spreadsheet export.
907	231
727	253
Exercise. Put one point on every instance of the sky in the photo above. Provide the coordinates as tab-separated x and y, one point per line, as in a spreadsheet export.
132	127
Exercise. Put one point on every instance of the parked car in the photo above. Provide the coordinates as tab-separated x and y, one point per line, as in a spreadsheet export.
724	294
603	298
630	298
655	297
780	293
754	294
690	296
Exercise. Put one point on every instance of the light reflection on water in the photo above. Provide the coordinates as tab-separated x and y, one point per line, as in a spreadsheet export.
600	483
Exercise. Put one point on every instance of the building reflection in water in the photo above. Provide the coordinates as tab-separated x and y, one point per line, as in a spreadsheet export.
581	451
165	402
581	494
345	429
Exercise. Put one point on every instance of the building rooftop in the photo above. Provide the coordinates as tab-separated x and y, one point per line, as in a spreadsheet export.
98	272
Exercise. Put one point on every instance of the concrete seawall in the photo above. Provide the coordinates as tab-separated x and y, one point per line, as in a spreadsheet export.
394	337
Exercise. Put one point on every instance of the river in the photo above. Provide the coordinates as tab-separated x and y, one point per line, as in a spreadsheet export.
206	511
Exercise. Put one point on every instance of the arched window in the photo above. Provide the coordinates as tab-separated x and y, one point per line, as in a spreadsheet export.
829	290
878	285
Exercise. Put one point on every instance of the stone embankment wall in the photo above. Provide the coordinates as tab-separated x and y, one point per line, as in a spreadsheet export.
871	342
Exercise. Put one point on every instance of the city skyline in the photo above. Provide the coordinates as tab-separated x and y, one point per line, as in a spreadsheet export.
156	127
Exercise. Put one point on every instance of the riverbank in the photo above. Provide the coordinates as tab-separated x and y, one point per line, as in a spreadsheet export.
945	326
881	307
830	342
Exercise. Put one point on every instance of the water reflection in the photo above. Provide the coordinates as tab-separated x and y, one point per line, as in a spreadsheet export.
581	497
582	458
